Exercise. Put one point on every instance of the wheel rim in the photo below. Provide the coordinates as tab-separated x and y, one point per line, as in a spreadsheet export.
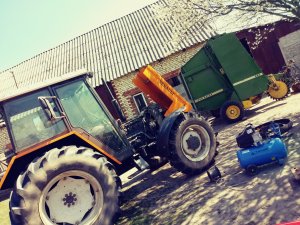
278	90
195	143
233	112
73	197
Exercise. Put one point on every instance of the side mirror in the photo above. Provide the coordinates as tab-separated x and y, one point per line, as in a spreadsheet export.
48	109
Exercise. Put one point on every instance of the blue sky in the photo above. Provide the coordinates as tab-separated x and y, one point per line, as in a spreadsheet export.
29	27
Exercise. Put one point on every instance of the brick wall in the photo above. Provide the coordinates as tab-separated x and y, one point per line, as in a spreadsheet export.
168	67
4	139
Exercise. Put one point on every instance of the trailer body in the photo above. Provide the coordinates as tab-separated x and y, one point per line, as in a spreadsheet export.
222	71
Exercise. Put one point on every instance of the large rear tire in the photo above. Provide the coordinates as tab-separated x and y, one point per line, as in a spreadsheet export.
192	145
71	185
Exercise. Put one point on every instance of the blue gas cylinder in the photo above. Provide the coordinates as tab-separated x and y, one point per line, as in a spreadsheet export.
270	151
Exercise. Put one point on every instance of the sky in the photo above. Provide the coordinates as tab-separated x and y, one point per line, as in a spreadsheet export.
29	27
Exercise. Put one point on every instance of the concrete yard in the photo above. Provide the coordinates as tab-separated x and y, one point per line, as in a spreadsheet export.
166	196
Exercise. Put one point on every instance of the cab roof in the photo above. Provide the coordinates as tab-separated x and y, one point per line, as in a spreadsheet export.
24	90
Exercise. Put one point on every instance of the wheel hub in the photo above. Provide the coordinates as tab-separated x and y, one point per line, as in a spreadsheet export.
193	142
69	199
233	112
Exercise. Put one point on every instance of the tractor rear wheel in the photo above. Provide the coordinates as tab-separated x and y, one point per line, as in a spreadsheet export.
71	185
278	90
192	145
232	111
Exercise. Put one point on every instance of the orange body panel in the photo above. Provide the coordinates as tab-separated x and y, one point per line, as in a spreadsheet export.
43	144
154	85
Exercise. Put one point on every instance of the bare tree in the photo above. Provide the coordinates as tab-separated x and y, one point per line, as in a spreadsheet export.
182	15
287	9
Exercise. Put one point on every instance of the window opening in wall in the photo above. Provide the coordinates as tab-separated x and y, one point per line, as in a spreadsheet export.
174	81
140	101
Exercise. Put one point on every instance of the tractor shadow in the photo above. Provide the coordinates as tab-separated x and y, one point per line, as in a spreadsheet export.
154	196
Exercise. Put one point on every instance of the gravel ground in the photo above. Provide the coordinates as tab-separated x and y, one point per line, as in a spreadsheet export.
166	196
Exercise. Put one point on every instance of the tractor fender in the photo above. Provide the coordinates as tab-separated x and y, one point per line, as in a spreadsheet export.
20	162
164	131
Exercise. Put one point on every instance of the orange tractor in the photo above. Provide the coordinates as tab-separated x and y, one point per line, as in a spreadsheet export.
68	151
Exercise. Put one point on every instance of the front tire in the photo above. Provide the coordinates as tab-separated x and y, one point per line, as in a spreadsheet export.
70	185
192	145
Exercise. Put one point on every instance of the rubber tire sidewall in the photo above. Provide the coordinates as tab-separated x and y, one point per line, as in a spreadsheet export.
215	113
179	160
33	189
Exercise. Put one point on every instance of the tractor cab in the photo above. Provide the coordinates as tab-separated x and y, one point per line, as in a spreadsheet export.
52	110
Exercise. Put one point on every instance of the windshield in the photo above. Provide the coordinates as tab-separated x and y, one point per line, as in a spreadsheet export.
29	123
84	111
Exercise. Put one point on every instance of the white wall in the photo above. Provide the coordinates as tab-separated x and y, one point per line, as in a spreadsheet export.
290	47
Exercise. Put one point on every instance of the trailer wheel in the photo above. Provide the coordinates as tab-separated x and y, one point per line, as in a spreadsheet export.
70	185
251	170
192	145
232	111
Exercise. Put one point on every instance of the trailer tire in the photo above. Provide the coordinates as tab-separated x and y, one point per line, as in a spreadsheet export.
252	170
192	145
232	111
215	113
71	184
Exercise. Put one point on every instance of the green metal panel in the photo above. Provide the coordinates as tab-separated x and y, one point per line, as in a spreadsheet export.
243	73
206	84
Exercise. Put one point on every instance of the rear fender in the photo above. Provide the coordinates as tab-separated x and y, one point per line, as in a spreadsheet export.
164	132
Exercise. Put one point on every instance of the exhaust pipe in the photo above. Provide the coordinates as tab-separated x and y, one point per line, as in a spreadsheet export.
115	103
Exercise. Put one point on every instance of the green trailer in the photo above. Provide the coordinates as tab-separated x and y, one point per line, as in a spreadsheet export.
224	79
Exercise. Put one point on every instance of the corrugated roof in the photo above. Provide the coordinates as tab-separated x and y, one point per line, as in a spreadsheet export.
109	51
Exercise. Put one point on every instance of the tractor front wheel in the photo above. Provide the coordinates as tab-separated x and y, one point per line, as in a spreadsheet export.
192	144
70	185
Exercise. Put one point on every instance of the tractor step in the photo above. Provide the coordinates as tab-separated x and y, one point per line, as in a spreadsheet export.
140	163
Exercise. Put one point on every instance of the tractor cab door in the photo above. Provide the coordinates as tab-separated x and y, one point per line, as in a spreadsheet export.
85	111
